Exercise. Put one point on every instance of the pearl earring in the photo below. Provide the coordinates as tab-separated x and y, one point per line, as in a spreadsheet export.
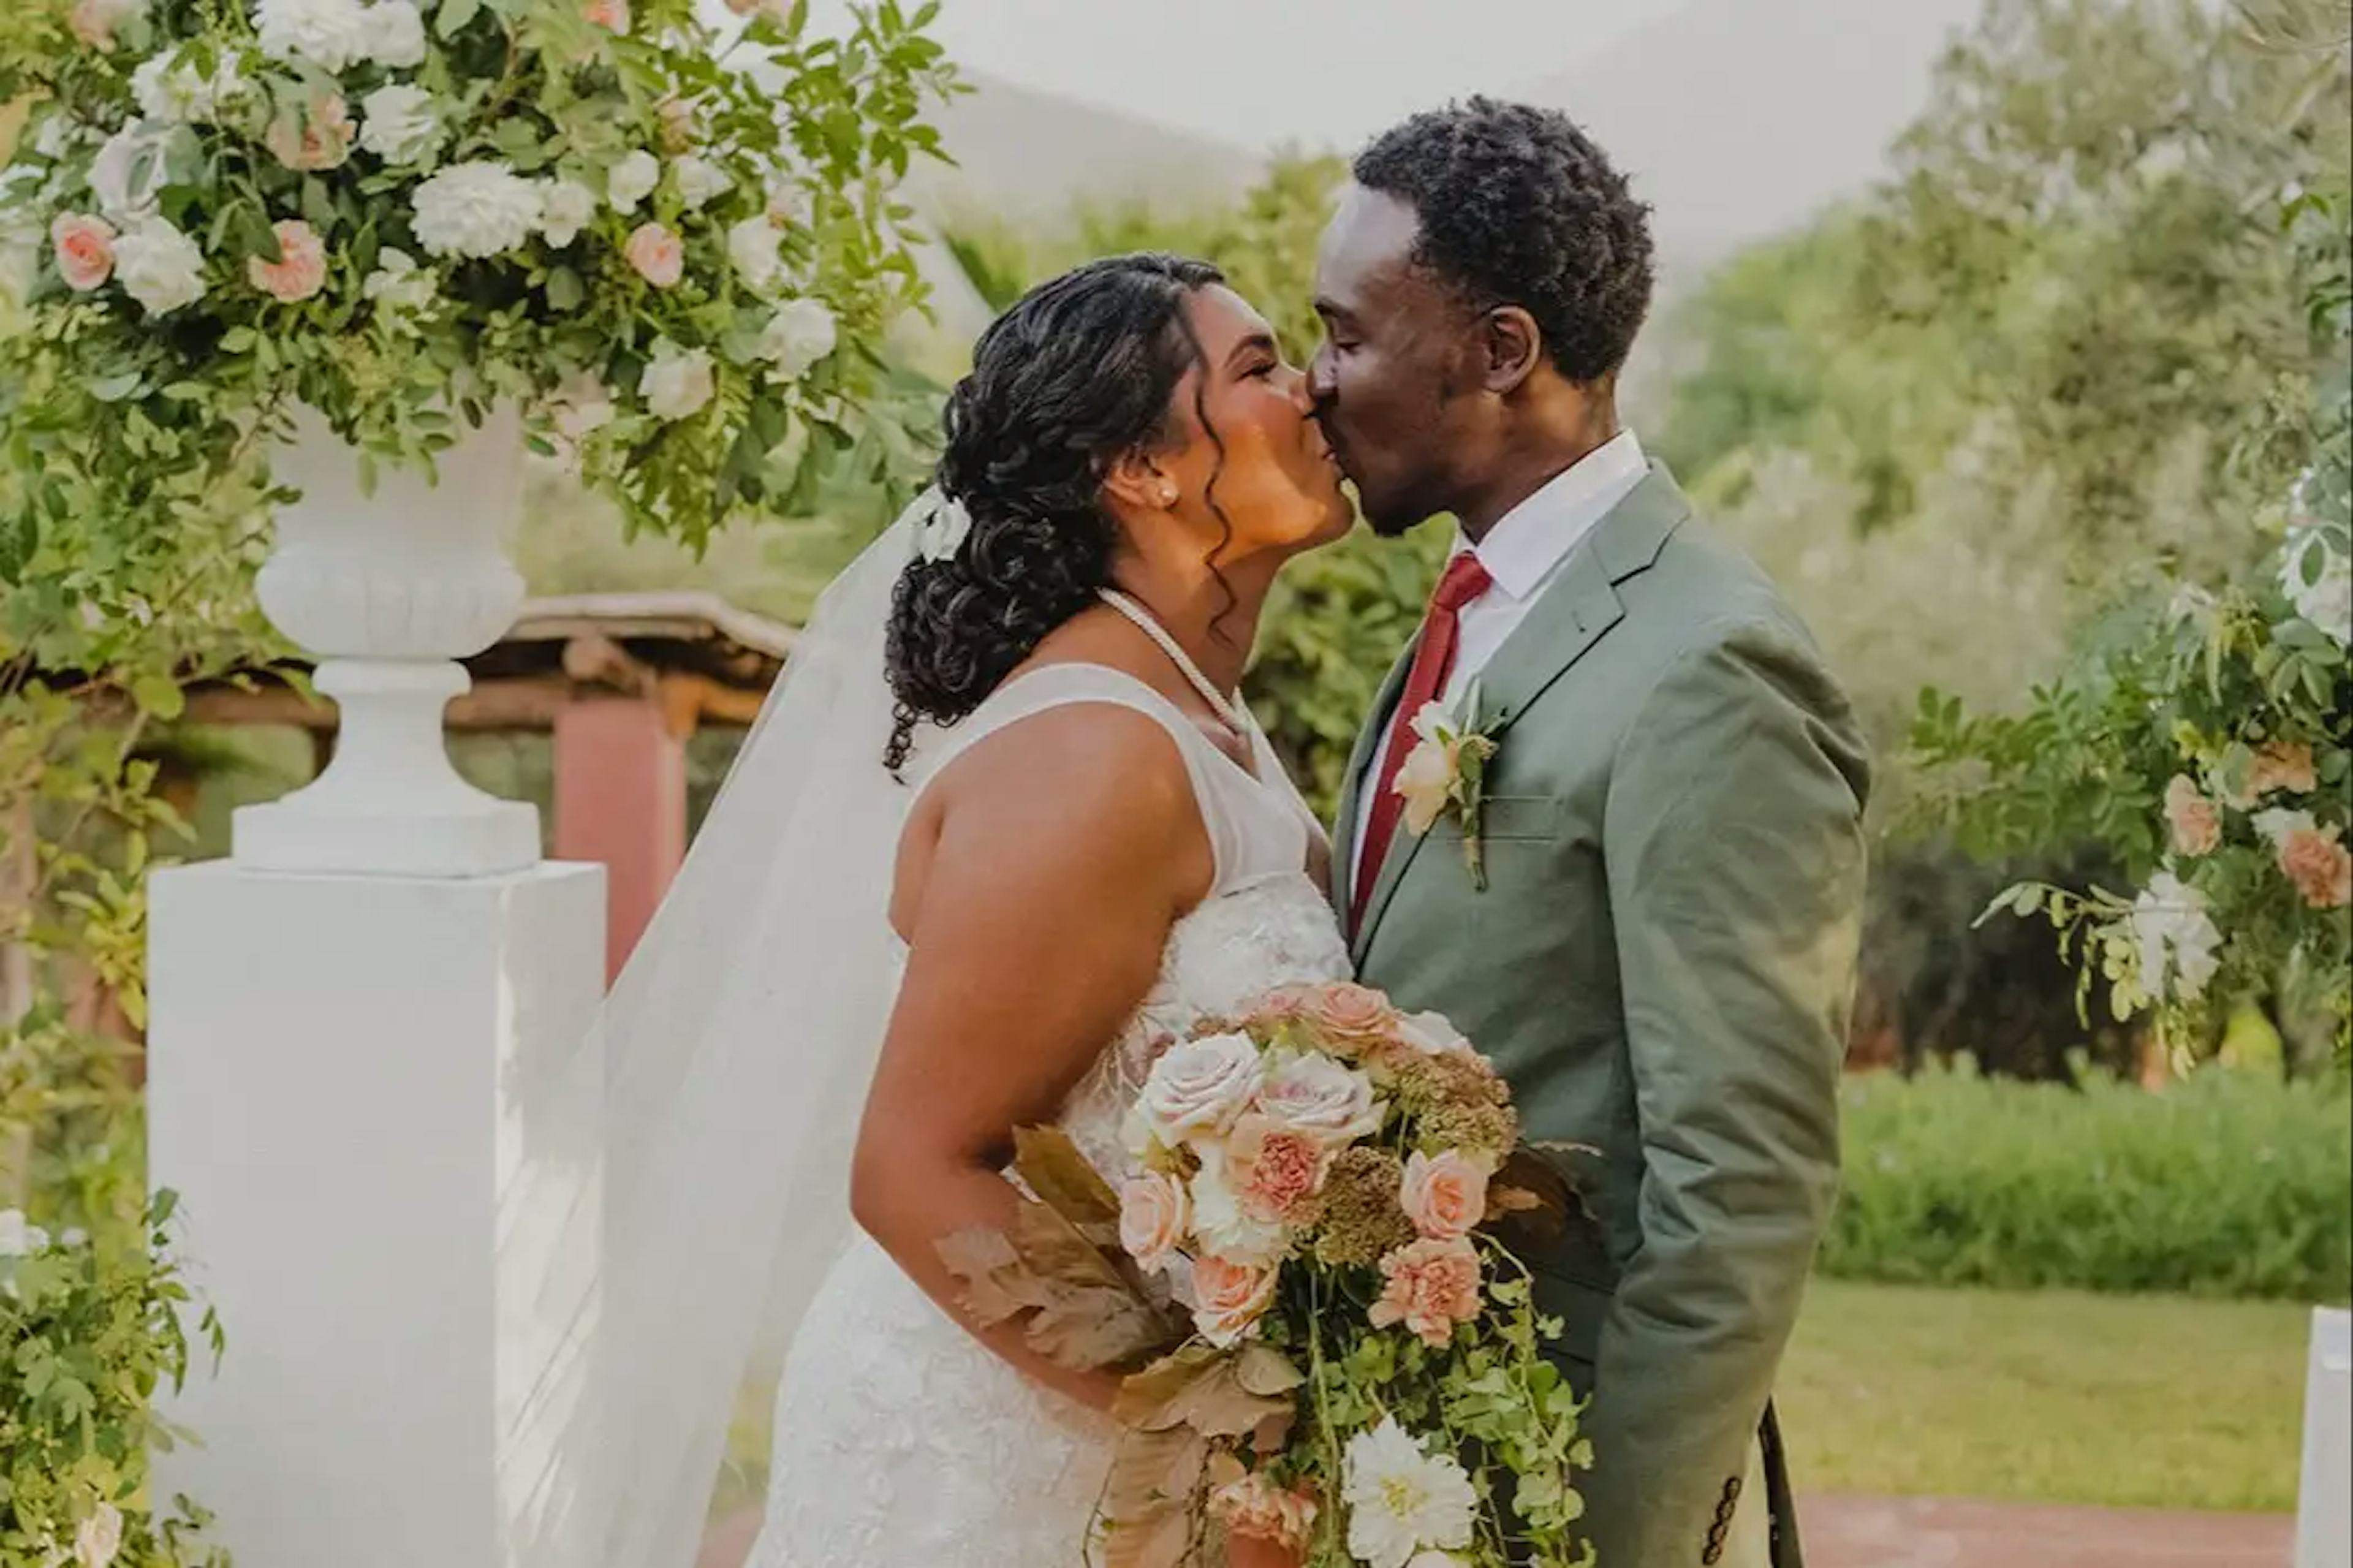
1168	495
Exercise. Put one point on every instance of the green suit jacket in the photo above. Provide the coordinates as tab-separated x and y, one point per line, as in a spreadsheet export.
1662	965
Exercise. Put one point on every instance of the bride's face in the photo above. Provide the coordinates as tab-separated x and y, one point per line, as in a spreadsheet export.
1268	466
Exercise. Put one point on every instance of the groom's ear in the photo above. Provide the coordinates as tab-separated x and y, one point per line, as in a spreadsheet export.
1512	345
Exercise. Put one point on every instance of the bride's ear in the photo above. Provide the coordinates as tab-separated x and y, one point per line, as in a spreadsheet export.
1141	482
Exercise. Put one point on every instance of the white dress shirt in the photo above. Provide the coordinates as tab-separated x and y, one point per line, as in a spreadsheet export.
1523	554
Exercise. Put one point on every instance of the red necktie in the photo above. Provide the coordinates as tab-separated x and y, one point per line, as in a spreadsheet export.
1465	581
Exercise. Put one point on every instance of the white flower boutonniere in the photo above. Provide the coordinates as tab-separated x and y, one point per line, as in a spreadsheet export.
1446	773
941	525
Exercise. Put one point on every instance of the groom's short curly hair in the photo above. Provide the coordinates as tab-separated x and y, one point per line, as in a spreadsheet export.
1519	207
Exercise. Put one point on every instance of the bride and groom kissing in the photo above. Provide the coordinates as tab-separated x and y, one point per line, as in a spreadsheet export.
1074	841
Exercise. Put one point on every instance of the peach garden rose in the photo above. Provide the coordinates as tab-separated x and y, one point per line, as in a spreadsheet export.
658	255
85	247
1446	1197
1231	1297
301	270
2194	821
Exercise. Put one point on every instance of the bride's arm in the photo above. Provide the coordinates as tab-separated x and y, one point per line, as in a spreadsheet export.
1068	847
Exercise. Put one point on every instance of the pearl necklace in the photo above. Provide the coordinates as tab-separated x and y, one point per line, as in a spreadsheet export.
1229	712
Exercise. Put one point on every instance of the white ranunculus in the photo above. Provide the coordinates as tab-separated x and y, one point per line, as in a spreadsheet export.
2320	581
801	332
399	125
2180	946
158	266
127	176
677	384
395	35
631	181
565	206
398	284
699	181
19	1237
480	210
333	34
1401	1500
752	246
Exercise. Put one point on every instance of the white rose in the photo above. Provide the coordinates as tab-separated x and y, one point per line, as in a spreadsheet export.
395	35
798	336
677	384
699	181
1198	1090
1225	1229
332	35
100	1538
158	266
1324	1098
398	284
399	124
565	209
18	1237
478	210
631	181
127	176
752	246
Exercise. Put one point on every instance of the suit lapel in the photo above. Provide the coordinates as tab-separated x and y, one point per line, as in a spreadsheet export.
1351	793
1567	618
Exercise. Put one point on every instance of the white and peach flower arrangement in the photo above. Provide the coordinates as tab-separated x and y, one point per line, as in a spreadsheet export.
402	212
1308	1280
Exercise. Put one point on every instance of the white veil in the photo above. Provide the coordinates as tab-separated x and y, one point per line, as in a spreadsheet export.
727	1068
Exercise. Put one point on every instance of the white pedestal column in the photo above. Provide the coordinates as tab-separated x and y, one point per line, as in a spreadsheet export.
2324	1518
361	1086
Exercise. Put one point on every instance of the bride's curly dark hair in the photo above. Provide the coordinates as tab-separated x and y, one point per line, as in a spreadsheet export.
1082	371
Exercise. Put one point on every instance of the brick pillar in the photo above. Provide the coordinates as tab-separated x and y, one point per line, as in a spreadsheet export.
620	800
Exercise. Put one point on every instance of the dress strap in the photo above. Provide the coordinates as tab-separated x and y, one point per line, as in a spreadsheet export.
1251	827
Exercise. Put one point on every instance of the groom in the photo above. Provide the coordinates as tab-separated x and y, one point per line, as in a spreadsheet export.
1663	955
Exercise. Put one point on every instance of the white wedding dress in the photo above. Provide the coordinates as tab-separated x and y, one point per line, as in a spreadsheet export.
901	1443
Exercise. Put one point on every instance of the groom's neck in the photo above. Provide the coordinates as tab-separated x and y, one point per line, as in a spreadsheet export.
1536	445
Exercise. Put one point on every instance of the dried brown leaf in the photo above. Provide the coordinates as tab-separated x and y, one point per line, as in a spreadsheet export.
1203	1389
1065	1180
995	1281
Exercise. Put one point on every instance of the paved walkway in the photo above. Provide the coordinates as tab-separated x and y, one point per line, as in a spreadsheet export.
1937	1532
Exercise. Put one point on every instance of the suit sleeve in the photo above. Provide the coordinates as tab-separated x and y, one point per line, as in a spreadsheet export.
1736	861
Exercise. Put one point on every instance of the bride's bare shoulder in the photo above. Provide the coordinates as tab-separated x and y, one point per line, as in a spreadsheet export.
1084	788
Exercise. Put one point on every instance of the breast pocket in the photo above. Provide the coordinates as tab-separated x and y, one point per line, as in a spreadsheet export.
1520	818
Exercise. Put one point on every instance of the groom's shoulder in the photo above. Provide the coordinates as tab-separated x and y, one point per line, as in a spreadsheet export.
1716	589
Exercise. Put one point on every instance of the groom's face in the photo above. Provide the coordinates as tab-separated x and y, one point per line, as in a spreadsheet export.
1390	377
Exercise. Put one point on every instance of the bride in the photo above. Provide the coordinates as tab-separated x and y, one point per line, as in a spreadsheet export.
1003	831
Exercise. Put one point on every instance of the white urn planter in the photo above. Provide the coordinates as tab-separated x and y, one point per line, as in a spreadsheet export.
389	590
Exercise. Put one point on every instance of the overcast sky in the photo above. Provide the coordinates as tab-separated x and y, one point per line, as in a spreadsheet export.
1258	74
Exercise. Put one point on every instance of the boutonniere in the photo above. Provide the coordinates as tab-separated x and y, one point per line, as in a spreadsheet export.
1446	774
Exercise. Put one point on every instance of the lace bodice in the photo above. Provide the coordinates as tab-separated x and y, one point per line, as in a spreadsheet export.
901	1442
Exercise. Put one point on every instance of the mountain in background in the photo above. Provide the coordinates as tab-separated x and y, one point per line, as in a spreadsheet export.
1741	119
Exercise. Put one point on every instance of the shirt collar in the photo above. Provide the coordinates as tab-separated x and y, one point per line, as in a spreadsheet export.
1535	536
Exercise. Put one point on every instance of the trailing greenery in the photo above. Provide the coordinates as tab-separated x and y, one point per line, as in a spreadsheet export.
2230	1183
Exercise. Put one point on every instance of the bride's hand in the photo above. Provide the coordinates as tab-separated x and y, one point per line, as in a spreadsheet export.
1248	1551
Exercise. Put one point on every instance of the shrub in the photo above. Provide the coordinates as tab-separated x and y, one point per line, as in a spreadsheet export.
2226	1184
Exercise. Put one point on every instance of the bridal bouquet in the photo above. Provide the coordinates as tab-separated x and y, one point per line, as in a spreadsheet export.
400	212
1327	1343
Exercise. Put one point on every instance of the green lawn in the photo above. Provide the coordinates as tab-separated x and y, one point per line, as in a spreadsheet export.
2130	1401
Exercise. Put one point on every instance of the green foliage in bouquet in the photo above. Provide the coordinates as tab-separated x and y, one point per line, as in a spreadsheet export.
1308	1286
91	1330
